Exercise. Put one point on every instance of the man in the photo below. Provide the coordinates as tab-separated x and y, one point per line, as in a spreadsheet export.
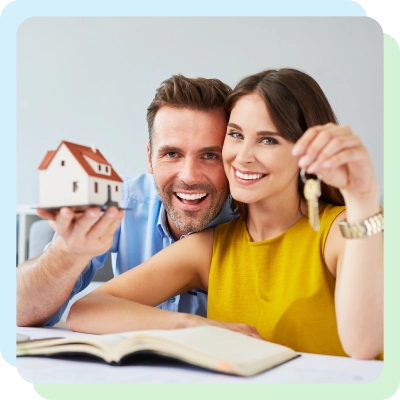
186	192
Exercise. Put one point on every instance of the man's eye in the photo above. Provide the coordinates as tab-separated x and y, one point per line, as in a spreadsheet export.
172	154
236	135
210	156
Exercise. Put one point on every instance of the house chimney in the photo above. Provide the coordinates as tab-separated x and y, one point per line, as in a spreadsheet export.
93	148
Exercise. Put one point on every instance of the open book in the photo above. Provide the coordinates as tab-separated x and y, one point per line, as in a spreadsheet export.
208	347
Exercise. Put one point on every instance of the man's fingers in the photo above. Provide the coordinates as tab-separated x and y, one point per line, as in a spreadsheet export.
51	216
107	224
83	224
63	220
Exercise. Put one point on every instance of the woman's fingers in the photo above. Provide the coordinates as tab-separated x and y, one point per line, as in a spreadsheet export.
325	141
302	145
333	150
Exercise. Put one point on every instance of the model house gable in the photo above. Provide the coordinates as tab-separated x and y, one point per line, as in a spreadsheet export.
75	175
90	159
98	167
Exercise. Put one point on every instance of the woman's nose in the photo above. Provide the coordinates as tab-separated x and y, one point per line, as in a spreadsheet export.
245	154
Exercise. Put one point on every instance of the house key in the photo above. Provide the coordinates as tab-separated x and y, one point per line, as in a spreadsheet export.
312	191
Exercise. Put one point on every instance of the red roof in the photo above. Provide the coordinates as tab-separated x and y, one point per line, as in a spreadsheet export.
78	151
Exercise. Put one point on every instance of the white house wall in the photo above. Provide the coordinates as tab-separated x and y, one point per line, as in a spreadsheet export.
56	182
100	197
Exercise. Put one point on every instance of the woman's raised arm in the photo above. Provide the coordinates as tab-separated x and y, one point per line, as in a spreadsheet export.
340	158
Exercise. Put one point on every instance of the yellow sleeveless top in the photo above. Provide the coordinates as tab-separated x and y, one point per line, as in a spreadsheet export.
281	286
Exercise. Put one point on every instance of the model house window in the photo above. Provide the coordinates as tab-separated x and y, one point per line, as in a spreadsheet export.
106	169
116	188
95	187
74	186
62	163
99	167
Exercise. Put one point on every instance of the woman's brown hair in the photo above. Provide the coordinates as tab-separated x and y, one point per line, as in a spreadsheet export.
295	102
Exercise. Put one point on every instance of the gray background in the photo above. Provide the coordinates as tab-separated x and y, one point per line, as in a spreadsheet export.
90	80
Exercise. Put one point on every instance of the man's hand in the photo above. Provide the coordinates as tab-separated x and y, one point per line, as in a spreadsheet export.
45	282
87	234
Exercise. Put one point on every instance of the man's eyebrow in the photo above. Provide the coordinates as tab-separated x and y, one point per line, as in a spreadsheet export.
169	149
260	133
211	149
174	149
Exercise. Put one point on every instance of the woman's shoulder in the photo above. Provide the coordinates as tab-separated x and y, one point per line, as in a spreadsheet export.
329	212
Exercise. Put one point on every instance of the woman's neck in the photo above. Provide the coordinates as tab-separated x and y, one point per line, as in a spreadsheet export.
271	217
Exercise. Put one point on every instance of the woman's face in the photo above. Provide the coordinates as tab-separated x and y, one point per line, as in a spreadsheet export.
257	159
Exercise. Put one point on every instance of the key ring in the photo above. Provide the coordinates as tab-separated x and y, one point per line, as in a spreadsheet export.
303	176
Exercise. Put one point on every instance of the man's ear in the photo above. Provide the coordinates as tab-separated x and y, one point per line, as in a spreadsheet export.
149	167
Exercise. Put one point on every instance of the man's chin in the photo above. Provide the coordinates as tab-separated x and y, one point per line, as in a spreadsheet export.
191	221
191	226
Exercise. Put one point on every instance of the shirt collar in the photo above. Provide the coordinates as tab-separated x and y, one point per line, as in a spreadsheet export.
162	224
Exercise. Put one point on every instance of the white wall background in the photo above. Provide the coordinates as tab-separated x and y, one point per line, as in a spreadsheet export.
90	80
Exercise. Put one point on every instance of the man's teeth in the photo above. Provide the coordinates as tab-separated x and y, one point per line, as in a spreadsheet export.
248	176
187	196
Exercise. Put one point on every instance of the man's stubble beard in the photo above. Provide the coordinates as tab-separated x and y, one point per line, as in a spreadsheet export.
192	221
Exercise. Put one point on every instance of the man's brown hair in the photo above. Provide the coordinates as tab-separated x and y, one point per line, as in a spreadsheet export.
192	93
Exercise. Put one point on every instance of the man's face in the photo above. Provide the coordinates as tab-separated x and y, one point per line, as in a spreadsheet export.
187	166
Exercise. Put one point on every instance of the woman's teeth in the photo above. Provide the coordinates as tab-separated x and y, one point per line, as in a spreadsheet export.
248	176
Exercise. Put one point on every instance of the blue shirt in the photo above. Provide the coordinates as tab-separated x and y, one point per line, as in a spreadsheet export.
142	233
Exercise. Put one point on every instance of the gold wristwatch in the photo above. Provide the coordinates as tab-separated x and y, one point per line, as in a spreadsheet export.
368	227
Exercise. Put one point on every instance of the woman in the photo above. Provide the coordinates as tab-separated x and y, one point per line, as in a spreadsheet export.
268	273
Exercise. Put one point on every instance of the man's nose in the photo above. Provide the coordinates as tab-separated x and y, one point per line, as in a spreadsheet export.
190	172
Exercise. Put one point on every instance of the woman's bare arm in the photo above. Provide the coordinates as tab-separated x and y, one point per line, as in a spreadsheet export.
126	303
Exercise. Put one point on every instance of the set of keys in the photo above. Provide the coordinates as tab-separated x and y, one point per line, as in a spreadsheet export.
312	191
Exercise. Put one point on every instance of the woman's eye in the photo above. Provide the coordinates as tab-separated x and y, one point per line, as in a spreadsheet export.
236	135
269	141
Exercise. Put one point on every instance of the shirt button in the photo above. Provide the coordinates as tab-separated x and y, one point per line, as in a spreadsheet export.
172	300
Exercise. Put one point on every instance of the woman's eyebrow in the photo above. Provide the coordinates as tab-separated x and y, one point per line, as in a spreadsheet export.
269	133
232	125
261	133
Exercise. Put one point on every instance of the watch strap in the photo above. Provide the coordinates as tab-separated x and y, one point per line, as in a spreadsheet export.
368	227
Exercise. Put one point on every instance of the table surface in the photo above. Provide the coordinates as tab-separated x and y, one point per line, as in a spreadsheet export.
309	368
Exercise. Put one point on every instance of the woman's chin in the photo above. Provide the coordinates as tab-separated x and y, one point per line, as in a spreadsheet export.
243	197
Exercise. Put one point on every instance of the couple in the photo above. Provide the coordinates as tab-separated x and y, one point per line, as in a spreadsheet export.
267	273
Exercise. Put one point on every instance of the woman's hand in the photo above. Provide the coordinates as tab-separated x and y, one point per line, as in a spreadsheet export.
338	155
241	328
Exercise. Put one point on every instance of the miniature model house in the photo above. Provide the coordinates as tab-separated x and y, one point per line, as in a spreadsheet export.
75	175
